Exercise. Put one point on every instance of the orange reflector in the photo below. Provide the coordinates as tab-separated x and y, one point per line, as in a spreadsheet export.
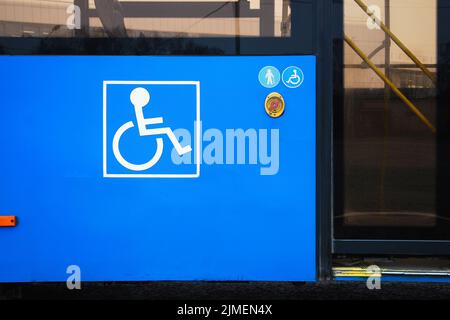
7	221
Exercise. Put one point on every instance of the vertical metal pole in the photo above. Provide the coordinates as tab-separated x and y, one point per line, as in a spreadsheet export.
237	23
84	11
388	40
285	19
267	18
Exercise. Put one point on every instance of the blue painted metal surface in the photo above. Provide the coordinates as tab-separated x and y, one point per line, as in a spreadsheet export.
60	175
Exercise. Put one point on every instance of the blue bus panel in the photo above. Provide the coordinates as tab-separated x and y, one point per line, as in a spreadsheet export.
158	168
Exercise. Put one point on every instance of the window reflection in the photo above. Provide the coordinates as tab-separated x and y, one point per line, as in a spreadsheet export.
113	18
389	155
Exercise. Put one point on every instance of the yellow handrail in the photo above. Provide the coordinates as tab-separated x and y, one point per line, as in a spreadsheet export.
389	83
402	46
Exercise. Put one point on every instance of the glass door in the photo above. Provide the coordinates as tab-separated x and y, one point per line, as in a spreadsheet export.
391	125
195	27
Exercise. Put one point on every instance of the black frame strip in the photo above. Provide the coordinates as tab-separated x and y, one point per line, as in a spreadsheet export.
135	9
392	247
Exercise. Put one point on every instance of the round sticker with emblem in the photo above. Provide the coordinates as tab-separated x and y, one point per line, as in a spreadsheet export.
274	105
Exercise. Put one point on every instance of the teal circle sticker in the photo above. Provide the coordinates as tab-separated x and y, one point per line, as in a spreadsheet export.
293	77
269	77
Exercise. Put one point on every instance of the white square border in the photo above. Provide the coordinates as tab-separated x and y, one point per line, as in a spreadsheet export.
197	131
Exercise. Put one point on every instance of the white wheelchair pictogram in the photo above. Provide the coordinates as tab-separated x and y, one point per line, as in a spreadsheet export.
294	79
140	98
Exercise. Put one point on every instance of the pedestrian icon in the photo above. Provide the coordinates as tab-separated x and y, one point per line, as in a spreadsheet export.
293	77
269	77
140	98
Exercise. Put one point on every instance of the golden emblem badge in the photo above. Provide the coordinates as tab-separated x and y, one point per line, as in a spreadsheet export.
274	105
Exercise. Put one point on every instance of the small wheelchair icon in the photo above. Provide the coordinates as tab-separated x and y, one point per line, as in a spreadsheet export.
293	77
140	98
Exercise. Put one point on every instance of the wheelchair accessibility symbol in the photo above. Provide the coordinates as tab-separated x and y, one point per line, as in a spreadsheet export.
293	77
140	99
